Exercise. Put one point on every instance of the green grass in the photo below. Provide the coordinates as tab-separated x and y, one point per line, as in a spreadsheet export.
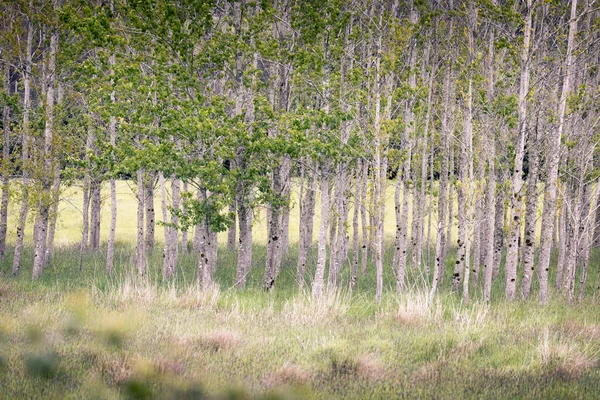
82	334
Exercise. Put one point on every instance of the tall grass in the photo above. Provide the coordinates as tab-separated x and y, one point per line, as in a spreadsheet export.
81	333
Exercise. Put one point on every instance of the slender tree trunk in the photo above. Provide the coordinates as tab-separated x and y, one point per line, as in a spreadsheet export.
95	213
429	208
306	226
140	249
478	225
440	245
398	214
245	228
44	206
85	211
530	218
468	173
174	233
166	269
459	266
53	215
355	232
333	220
285	212
5	165
205	262
512	256
552	164
274	236
499	226
301	260
149	178
231	231
341	245
409	117
379	178
112	131
24	152
588	241
450	226
562	242
568	284
196	245
418	257
318	282
204	270
490	198
363	217
490	191
184	233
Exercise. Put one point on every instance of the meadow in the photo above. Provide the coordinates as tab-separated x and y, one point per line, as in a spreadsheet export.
82	334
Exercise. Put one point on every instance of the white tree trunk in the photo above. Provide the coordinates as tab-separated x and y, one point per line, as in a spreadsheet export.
24	153
318	282
140	249
44	204
516	198
552	164
5	166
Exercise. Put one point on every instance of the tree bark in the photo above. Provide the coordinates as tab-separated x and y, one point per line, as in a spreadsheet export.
24	152
44	203
512	256
53	215
530	217
95	213
5	165
318	282
149	178
440	245
490	191
552	164
231	231
112	131
166	269
140	249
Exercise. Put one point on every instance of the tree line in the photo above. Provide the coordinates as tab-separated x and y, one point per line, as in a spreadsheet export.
222	107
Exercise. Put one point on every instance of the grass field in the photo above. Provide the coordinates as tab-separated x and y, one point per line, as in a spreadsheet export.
70	216
81	334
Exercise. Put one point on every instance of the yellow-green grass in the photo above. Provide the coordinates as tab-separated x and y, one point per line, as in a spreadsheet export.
70	217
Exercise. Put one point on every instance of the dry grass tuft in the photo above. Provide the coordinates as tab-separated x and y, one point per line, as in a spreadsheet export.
370	367
575	329
169	367
570	358
415	308
427	372
288	375
115	371
221	339
194	297
465	348
131	289
467	318
308	310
